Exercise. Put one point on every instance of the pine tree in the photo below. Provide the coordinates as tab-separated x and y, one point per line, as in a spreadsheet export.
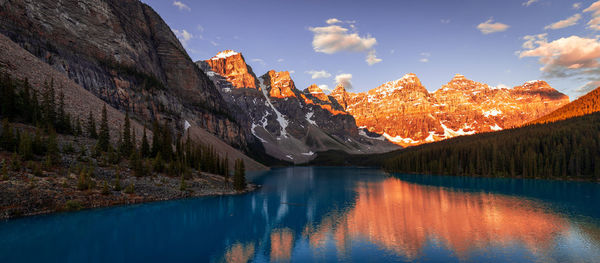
104	136
49	104
126	145
117	186
145	148
7	140
156	143
91	127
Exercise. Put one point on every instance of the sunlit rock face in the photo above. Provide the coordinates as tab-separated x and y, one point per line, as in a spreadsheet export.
407	114
291	125
402	217
233	67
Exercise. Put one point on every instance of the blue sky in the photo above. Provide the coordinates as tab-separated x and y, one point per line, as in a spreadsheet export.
494	42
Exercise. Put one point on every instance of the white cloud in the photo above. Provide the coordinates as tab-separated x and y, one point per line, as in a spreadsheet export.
258	60
183	35
214	43
571	21
344	80
577	5
280	60
594	23
332	21
489	27
318	74
334	38
445	21
182	6
424	60
200	28
372	58
564	57
529	2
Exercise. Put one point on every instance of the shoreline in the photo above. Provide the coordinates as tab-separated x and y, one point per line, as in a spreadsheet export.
27	195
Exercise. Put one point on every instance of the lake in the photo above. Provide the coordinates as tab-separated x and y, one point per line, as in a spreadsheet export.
330	214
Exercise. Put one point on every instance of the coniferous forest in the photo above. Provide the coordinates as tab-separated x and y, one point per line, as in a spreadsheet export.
39	138
568	149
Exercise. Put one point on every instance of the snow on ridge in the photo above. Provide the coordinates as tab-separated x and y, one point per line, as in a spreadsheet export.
280	118
533	81
362	132
492	112
309	116
398	139
496	127
224	54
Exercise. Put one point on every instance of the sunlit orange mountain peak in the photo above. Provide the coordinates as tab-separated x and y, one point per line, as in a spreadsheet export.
231	65
405	112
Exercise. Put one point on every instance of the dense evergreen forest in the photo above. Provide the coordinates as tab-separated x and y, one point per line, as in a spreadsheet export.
165	153
567	149
586	104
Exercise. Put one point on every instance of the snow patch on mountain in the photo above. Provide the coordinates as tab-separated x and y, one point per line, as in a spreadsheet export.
224	54
362	132
309	116
399	139
492	112
280	118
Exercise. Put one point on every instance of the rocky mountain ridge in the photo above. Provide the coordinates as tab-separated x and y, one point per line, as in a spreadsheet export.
407	114
124	53
292	125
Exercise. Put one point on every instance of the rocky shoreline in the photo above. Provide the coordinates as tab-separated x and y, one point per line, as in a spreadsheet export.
27	195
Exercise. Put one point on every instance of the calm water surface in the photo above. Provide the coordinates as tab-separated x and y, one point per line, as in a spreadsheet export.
320	214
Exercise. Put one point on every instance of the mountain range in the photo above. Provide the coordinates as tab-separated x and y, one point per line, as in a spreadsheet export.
128	57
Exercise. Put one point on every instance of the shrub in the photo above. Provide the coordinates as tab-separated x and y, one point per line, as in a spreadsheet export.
73	205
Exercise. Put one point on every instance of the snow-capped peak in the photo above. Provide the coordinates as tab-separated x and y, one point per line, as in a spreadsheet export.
224	54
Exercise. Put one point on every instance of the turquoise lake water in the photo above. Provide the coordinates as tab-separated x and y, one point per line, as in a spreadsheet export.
330	214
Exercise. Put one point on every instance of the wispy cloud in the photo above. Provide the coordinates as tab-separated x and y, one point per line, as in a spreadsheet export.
200	28
594	23
489	27
335	38
372	58
529	2
318	74
214	43
344	80
425	57
183	35
445	21
571	21
280	60
181	6
577	5
258	60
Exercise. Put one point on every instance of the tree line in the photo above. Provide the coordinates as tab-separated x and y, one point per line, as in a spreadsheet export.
166	152
568	149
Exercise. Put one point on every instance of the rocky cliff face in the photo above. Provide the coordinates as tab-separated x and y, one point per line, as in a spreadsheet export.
406	113
292	125
232	65
124	53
